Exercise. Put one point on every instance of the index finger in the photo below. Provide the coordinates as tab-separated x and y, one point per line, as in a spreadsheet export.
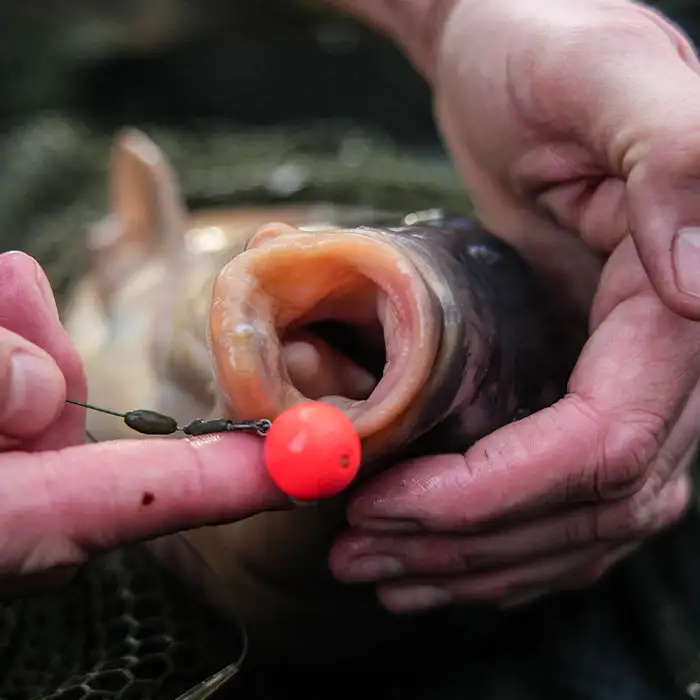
58	507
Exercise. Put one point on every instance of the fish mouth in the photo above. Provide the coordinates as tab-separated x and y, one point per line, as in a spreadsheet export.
338	316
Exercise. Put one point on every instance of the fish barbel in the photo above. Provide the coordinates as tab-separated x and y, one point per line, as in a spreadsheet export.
428	332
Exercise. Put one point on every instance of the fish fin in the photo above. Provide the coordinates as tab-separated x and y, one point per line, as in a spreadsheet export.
147	214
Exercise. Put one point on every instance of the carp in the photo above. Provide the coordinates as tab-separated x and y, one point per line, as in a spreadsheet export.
428	331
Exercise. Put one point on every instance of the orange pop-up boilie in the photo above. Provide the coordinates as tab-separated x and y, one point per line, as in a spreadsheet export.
312	451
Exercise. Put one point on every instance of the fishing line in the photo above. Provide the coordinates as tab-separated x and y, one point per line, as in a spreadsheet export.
149	422
154	423
314	451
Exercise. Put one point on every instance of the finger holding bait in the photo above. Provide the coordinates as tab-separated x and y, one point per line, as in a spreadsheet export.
312	450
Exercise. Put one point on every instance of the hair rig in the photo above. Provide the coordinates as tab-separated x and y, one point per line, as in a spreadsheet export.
312	450
149	422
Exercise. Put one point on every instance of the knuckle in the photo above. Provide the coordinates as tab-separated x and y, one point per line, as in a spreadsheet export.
579	484
581	529
653	508
594	571
629	449
656	509
450	559
671	152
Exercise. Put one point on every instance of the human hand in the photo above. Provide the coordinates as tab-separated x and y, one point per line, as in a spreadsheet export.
575	126
60	499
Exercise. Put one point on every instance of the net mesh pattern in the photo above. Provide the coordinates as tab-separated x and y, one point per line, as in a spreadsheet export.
123	629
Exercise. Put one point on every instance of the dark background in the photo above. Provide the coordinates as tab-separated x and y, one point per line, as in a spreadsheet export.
183	63
230	89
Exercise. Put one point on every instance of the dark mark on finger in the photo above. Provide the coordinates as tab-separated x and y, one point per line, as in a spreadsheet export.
147	499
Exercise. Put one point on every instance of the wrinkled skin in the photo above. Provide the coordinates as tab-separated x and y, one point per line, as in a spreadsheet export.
574	125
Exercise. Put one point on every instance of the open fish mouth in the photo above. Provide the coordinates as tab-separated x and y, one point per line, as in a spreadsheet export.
337	316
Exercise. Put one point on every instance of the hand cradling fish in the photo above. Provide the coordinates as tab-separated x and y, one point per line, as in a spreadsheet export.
427	331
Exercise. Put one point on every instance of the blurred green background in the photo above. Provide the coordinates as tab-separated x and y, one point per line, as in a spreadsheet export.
232	90
185	62
247	62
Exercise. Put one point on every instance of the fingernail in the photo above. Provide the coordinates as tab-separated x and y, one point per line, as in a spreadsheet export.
369	568
46	291
415	598
31	377
390	525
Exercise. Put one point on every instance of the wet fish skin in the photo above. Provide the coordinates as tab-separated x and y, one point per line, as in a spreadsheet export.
502	339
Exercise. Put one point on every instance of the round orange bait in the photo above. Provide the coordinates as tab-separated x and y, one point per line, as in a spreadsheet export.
312	451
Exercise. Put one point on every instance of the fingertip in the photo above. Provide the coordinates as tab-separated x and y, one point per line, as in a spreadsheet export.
32	388
669	263
44	287
683	296
23	278
17	261
664	217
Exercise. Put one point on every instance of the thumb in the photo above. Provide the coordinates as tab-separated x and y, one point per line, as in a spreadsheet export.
663	203
644	116
58	507
634	108
662	164
32	388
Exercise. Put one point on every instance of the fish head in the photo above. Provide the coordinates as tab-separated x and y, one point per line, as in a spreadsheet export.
504	343
331	314
401	327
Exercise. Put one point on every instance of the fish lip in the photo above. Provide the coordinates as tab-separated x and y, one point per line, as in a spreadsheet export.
244	338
